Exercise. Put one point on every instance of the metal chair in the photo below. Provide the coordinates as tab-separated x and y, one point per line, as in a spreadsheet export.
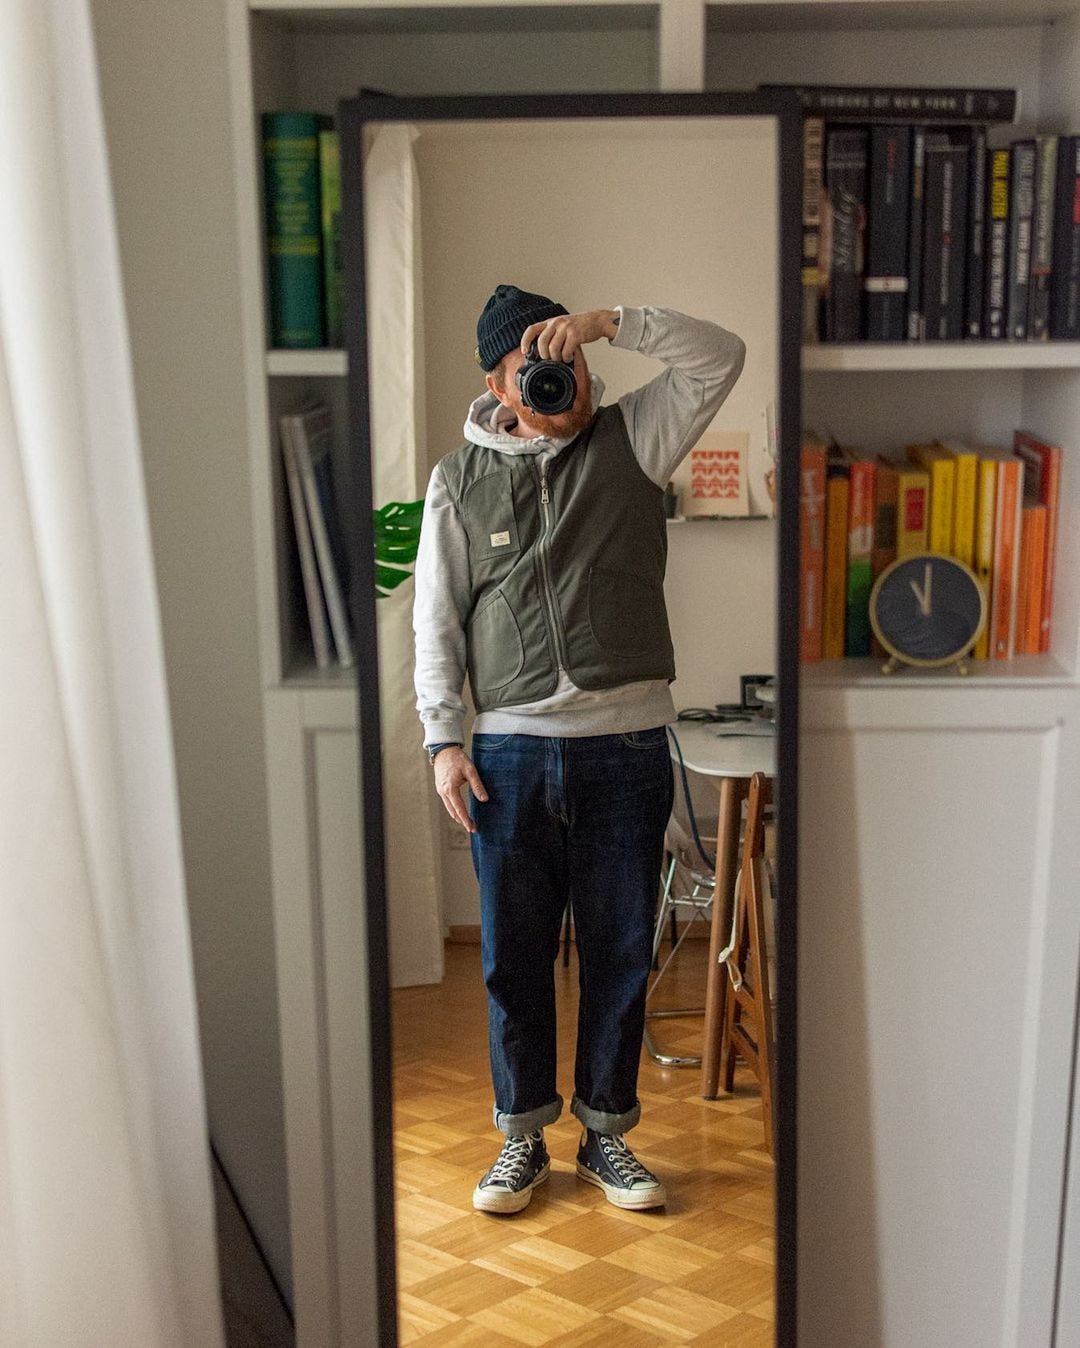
688	884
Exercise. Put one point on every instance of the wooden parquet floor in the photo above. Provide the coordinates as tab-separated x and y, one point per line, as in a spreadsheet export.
572	1269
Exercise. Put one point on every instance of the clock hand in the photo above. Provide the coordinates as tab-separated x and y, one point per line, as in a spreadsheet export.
923	595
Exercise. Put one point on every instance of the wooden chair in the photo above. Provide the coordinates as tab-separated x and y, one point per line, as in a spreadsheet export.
747	1016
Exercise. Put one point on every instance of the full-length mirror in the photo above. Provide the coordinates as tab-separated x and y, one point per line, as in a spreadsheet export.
570	354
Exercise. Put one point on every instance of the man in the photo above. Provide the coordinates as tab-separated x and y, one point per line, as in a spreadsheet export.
540	572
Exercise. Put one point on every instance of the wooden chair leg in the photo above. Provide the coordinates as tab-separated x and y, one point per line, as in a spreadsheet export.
747	1022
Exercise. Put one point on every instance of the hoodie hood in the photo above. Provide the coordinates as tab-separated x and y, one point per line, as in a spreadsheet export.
489	421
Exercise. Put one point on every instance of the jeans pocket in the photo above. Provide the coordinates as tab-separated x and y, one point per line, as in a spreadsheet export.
646	739
486	743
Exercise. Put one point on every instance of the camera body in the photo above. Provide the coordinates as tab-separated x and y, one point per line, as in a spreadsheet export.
547	386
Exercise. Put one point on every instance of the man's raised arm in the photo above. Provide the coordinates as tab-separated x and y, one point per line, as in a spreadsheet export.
666	416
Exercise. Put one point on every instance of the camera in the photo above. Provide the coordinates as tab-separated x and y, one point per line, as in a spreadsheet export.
547	386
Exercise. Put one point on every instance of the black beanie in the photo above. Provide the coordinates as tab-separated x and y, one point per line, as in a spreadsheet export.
505	317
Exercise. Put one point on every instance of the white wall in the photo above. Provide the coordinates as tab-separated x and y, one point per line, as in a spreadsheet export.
166	110
680	214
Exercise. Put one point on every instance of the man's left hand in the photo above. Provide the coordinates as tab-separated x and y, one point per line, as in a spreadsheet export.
559	337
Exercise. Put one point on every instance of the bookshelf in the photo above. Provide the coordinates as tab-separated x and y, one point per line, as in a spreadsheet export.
921	1054
826	356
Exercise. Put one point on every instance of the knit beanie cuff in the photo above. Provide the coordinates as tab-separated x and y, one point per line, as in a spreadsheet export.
505	317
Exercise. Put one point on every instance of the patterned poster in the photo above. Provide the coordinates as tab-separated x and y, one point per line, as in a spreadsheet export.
717	484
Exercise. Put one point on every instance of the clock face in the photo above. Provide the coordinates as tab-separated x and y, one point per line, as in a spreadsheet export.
928	609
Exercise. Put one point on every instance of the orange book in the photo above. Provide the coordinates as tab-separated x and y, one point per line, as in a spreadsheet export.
1005	574
1023	580
811	545
836	539
1042	472
1032	554
860	466
985	498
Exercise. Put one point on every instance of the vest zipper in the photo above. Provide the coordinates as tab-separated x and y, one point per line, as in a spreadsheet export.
548	586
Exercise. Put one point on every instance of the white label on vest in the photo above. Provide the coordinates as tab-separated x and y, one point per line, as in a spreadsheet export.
500	540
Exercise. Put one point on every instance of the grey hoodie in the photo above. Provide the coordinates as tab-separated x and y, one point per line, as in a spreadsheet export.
664	420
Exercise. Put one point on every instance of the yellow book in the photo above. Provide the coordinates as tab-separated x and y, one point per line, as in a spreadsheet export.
967	473
941	467
910	490
836	541
985	499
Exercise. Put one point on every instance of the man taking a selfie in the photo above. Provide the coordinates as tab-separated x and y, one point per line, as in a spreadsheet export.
541	574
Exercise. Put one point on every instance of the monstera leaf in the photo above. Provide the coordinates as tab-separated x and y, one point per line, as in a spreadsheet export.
397	538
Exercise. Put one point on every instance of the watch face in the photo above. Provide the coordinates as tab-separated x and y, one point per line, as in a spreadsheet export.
927	609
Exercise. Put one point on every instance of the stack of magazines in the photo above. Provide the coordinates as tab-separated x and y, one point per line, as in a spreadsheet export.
306	439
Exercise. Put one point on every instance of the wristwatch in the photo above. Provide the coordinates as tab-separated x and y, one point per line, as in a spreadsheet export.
433	749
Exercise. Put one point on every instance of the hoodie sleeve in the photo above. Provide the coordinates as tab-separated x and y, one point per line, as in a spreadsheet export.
440	611
665	417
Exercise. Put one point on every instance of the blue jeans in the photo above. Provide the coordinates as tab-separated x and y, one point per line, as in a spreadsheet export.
580	819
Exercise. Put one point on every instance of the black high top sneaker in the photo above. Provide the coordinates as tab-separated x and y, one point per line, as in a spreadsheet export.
522	1164
605	1160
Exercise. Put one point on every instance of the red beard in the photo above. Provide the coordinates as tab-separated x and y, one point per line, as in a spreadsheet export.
562	424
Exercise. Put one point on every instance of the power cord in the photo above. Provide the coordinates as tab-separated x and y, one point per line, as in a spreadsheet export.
723	711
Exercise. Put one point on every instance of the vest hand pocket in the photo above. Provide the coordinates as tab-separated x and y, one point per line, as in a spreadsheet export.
496	652
626	612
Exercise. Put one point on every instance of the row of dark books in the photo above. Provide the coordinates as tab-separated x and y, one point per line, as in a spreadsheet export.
917	228
302	193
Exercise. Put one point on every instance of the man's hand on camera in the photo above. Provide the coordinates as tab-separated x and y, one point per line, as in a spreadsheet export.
453	769
559	337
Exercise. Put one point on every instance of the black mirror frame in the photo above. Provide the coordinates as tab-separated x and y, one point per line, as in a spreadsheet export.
353	115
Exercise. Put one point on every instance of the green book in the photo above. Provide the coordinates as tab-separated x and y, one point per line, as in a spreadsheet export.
330	198
293	228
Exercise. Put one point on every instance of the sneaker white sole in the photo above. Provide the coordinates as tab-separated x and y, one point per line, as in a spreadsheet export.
625	1198
503	1200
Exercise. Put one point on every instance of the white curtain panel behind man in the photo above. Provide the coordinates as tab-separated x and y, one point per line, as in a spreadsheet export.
106	1223
399	473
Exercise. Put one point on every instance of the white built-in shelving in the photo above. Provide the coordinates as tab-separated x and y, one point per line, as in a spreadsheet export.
865	356
901	960
311	54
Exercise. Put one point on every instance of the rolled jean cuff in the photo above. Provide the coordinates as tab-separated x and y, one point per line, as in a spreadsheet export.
516	1124
600	1122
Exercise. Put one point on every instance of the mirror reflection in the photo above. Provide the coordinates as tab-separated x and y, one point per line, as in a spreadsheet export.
574	365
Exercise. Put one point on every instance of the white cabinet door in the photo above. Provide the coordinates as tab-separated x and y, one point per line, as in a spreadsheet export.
321	948
938	939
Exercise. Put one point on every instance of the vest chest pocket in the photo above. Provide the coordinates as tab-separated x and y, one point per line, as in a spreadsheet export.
490	522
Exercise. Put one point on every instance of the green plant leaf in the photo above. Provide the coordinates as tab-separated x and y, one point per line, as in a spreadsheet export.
397	540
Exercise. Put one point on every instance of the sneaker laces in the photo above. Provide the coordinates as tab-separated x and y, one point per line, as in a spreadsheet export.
625	1163
513	1158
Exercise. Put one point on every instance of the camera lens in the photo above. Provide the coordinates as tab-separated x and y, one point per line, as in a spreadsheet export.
549	387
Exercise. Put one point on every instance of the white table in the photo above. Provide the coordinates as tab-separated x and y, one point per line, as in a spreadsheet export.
731	760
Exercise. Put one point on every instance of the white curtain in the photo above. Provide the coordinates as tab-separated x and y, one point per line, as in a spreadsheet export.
399	473
106	1220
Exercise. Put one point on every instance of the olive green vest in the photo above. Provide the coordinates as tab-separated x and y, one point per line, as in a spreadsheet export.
576	580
